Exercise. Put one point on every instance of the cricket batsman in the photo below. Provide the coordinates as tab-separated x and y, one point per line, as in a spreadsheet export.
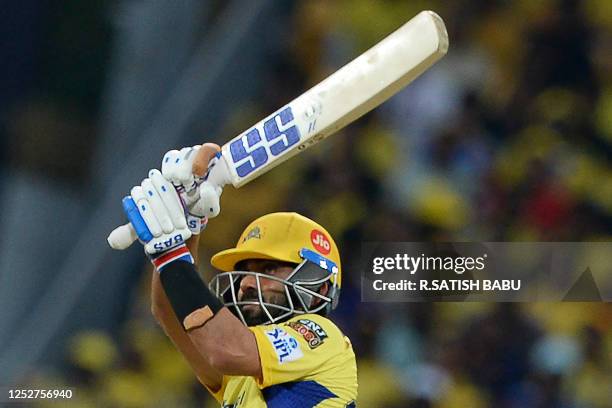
257	335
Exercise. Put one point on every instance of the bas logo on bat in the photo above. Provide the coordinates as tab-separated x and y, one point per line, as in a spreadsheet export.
251	151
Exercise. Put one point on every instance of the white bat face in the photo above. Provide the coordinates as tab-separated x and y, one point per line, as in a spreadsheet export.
350	92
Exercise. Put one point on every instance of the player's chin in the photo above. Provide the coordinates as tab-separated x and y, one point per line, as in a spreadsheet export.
253	315
250	308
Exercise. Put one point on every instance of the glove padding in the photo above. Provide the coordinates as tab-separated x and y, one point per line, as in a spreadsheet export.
178	168
155	211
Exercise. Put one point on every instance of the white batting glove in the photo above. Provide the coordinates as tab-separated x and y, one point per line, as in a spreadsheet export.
177	167
156	213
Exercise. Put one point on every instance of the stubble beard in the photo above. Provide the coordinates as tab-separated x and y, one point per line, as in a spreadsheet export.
254	315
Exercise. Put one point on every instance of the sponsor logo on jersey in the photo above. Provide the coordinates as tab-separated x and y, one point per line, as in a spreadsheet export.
311	331
286	346
253	233
320	242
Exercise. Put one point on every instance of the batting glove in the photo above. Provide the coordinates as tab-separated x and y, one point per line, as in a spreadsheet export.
177	167
155	211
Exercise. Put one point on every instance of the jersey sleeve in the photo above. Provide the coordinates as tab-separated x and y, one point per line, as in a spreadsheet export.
296	349
218	395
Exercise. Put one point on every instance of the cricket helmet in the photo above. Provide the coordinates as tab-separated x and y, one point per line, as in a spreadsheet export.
284	237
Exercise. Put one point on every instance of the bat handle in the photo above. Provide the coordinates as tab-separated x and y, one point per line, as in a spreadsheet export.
210	193
122	237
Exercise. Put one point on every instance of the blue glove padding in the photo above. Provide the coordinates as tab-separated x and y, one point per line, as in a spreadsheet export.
157	215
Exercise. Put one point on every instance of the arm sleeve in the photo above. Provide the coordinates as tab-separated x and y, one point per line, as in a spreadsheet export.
296	349
218	395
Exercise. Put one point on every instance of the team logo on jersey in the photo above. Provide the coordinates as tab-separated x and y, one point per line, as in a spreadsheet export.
286	346
311	331
253	233
320	242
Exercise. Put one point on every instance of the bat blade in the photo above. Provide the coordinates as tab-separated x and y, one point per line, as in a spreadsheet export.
340	99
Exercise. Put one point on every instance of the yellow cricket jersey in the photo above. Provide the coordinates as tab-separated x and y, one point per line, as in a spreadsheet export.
306	362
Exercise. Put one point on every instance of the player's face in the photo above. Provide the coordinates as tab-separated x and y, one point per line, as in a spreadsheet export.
272	291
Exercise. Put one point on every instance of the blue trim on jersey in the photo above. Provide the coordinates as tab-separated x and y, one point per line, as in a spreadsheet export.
133	215
351	405
300	394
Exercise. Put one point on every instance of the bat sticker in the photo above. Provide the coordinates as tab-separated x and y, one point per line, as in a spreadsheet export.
251	151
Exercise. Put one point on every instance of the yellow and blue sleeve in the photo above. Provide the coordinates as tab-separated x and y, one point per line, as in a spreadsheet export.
297	349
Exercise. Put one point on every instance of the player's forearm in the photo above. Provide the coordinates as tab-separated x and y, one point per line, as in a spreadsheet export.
162	310
160	307
217	335
231	347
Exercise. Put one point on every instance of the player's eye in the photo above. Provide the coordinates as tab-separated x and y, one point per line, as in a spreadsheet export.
270	268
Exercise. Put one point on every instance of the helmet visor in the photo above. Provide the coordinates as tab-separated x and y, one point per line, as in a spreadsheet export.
300	294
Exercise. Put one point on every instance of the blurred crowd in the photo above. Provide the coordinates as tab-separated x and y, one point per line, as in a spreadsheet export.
508	138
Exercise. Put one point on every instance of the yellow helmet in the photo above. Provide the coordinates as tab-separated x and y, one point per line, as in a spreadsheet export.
286	237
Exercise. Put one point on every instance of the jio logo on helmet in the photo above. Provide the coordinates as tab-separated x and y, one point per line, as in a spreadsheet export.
320	242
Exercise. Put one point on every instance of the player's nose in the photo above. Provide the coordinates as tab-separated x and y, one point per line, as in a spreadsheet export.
248	282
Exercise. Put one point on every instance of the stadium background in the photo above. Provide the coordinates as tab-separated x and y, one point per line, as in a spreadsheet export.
507	139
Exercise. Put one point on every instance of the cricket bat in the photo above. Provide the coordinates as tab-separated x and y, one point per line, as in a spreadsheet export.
347	94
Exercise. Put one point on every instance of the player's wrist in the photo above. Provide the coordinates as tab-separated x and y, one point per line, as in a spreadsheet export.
179	253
